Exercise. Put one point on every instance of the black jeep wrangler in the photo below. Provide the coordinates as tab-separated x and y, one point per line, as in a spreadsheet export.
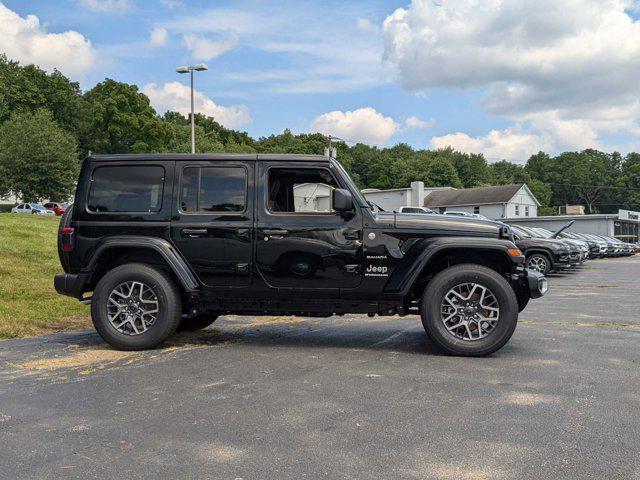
170	240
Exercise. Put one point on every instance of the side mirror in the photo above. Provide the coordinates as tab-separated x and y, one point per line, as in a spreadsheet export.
341	200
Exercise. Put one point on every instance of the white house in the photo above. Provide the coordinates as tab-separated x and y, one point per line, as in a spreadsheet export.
503	201
9	200
394	198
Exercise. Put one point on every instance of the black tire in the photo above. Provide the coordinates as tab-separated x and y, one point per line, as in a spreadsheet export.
199	322
439	286
169	306
539	258
523	297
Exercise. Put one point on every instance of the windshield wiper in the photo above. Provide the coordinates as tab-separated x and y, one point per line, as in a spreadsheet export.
375	205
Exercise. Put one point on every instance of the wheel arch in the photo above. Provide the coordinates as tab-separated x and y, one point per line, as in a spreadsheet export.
116	251
440	254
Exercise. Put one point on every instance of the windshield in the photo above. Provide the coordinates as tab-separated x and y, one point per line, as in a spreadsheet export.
37	207
520	232
529	231
544	233
354	189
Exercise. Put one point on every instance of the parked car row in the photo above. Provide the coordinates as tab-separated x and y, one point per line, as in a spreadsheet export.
50	208
548	251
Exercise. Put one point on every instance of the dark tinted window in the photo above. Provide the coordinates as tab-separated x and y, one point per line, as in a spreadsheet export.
213	189
126	189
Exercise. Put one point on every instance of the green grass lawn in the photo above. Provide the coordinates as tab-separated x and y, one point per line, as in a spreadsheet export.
28	261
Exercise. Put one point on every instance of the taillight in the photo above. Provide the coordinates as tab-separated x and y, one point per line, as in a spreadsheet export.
68	239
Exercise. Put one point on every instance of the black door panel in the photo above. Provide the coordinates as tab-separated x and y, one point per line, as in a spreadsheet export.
305	250
217	245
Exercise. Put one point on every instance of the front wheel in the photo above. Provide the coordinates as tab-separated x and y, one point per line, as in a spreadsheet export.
539	263
469	310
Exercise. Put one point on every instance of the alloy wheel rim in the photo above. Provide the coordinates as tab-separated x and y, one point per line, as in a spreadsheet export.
470	311
132	308
538	264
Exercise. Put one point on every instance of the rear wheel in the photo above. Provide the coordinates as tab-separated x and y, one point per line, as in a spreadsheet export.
135	307
469	310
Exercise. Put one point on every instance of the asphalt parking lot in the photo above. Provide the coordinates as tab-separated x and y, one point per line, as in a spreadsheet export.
347	397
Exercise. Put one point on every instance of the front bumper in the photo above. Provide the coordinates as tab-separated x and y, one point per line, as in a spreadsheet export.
538	284
561	260
71	285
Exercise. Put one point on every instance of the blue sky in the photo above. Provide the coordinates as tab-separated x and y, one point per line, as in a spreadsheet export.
504	78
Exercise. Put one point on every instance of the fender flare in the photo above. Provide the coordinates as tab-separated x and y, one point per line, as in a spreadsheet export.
159	245
405	276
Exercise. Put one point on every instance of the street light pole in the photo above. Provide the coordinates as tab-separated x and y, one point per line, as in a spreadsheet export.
190	69
193	119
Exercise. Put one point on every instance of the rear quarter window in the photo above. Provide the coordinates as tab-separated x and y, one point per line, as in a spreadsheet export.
125	188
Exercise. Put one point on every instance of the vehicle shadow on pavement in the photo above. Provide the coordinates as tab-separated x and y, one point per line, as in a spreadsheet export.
349	332
392	333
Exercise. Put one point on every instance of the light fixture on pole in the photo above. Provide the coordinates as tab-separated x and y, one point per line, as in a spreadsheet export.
190	69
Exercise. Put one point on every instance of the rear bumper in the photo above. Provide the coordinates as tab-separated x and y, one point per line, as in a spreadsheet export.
71	285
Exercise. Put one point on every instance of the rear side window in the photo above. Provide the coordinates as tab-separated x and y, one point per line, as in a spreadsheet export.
213	189
126	188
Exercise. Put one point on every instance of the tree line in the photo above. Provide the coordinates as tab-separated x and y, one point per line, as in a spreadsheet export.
47	125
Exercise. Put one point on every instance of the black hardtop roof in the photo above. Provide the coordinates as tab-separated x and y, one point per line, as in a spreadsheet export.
294	157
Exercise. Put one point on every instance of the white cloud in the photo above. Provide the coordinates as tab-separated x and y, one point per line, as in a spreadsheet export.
571	65
319	55
418	123
175	96
158	37
117	6
509	144
546	132
26	40
366	25
173	4
203	48
364	125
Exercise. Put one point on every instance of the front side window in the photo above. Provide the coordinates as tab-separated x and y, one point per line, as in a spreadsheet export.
304	190
124	188
213	189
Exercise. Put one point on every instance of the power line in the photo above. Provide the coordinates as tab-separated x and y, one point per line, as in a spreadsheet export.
591	186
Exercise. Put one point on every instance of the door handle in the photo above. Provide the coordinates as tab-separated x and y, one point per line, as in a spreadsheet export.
352	268
275	234
194	232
